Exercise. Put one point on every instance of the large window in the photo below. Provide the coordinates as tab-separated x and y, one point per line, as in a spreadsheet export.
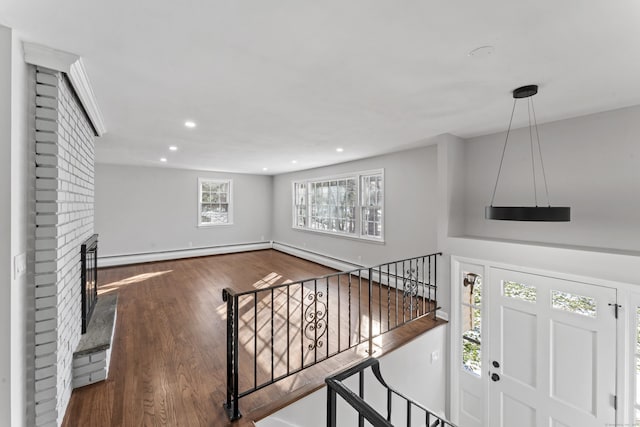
214	202
350	205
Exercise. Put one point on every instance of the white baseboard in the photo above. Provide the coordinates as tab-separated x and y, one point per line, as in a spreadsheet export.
442	315
111	261
316	257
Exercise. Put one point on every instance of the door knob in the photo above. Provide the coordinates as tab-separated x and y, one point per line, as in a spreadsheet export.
495	364
495	377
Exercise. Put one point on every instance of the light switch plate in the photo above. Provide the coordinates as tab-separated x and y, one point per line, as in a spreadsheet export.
19	265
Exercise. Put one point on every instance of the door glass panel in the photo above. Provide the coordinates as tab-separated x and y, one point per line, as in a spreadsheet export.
519	291
638	330
638	381
471	313
573	303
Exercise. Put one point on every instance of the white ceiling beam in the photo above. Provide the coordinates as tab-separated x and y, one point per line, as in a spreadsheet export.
73	66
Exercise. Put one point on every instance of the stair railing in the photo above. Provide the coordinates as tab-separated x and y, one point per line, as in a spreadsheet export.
413	411
277	331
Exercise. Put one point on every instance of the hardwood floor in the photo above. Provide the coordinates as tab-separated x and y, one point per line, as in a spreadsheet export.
168	362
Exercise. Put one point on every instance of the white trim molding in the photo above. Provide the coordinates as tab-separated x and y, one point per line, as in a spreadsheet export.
73	67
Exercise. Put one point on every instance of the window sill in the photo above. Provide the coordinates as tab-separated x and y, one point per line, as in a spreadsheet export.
341	235
214	225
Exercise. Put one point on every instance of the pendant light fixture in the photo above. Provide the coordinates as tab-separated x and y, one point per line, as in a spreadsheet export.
527	213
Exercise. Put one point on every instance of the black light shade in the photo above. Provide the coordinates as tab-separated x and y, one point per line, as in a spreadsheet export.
528	213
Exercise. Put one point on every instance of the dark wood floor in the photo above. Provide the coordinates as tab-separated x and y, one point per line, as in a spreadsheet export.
168	357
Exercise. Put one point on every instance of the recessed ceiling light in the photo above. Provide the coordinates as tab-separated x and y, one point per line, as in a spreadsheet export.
173	148
294	161
265	169
481	51
163	159
339	149
190	124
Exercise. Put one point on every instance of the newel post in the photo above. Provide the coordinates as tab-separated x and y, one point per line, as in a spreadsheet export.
231	404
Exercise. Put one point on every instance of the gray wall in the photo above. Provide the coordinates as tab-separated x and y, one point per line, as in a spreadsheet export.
410	209
142	209
592	164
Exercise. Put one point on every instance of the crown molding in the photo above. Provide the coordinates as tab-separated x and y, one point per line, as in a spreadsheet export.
73	67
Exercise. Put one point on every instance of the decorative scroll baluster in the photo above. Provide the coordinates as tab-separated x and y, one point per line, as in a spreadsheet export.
315	326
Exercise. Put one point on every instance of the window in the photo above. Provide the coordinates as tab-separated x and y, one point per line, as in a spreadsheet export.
350	205
214	202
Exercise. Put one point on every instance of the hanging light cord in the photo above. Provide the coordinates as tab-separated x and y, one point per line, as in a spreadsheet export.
544	175
504	149
533	164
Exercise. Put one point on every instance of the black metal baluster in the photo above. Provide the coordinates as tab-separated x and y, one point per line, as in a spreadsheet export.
331	407
396	274
327	317
273	332
339	323
361	390
435	289
388	299
430	300
408	413
288	327
359	306
389	405
349	310
404	294
370	313
301	325
424	290
380	299
315	319
411	299
255	340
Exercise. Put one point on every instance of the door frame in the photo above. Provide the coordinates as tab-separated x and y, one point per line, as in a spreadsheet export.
624	324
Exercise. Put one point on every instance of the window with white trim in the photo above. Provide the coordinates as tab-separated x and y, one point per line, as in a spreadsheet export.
350	205
215	205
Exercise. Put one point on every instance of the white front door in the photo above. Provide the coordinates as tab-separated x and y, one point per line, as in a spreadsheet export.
552	349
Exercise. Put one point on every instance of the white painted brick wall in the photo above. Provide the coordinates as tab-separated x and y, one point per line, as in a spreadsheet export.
65	152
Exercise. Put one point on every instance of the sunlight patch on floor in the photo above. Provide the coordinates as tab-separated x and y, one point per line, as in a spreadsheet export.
114	286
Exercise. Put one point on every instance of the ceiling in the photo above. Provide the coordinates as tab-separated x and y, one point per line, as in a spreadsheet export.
269	82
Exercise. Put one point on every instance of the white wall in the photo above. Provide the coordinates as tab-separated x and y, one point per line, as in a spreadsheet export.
422	379
22	242
5	226
153	209
409	212
14	216
592	164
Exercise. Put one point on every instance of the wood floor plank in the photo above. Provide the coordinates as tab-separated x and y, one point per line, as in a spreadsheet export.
168	362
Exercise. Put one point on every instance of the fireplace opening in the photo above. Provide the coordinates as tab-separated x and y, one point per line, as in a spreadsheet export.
89	278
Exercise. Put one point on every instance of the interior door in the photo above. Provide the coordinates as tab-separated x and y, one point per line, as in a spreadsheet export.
552	352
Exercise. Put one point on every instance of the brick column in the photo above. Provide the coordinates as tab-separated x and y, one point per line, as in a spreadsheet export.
65	152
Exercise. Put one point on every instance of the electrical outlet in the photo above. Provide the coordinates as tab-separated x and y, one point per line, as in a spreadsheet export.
19	265
435	356
262	238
